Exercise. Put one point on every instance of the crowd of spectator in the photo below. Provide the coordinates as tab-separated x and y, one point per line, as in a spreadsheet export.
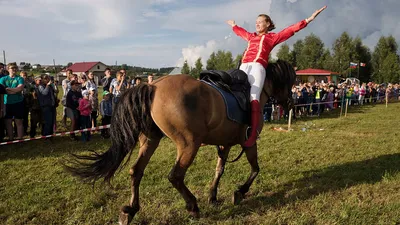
312	99
37	97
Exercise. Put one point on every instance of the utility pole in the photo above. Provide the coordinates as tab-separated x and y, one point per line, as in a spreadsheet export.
4	57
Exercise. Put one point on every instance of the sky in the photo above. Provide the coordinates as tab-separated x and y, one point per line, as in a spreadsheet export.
164	33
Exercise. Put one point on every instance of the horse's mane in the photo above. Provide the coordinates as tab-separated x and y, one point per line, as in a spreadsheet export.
281	74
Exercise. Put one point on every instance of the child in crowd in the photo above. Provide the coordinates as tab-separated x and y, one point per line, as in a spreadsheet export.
72	104
106	112
85	109
95	106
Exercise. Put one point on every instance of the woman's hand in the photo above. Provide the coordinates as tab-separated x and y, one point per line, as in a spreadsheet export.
315	14
231	23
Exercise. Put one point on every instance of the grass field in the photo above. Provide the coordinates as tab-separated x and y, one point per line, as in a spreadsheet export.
339	171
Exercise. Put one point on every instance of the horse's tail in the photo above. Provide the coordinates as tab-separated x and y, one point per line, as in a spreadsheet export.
130	118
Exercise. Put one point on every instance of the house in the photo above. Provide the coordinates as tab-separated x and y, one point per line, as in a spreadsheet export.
36	66
97	68
317	75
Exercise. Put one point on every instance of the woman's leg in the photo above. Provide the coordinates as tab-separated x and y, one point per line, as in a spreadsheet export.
256	76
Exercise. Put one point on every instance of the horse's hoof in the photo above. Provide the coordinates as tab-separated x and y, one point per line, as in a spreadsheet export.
212	201
237	197
124	218
126	215
194	214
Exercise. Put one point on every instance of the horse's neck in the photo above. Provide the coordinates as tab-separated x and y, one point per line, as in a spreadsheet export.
263	99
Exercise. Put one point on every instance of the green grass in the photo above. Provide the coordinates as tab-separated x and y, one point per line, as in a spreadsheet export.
340	171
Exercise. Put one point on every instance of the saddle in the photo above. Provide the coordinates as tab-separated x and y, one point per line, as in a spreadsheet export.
233	81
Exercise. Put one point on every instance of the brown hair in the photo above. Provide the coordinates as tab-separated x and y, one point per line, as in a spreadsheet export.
268	20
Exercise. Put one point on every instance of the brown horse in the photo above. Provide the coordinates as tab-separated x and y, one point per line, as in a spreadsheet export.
168	107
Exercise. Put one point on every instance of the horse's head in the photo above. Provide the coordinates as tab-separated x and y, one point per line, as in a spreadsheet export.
280	77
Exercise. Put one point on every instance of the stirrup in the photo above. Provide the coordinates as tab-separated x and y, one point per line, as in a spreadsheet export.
249	130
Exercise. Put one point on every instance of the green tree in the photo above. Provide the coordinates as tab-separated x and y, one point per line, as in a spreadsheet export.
311	52
198	67
69	64
296	52
238	60
390	69
362	55
185	68
224	60
212	62
343	54
384	47
326	60
284	53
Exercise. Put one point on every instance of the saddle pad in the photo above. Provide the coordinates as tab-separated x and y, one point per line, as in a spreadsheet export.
233	110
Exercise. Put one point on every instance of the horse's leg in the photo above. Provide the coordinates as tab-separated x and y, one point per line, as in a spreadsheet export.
251	154
147	148
187	150
219	171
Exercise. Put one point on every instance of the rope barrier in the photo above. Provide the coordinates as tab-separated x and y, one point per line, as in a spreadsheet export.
57	135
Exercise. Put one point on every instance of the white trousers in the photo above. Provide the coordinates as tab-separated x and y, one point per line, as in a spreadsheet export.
256	75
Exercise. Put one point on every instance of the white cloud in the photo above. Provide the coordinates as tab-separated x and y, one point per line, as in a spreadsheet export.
165	32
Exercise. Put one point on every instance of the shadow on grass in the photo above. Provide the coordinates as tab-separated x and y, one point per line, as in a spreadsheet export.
315	182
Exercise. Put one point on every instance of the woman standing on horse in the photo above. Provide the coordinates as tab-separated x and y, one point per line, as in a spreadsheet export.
255	58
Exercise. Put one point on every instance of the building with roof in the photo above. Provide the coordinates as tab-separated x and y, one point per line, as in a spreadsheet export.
80	68
317	75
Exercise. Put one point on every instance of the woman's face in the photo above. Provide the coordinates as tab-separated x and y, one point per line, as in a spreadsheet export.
261	25
90	75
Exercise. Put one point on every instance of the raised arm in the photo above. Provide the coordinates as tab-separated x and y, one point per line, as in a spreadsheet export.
239	31
291	30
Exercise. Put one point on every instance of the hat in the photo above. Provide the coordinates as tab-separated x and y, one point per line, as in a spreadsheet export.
38	77
85	92
92	89
105	93
74	82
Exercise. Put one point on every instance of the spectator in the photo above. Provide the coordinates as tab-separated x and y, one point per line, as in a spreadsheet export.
36	112
14	101
47	104
85	109
73	97
95	106
27	93
118	86
66	86
106	112
106	81
3	71
150	79
90	82
362	93
136	81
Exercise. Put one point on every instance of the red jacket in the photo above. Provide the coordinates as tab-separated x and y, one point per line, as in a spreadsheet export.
260	46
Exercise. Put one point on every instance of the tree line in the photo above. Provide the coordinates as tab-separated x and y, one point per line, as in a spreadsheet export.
381	65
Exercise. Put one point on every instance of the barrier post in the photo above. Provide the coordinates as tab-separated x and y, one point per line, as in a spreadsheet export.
347	104
341	107
387	99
